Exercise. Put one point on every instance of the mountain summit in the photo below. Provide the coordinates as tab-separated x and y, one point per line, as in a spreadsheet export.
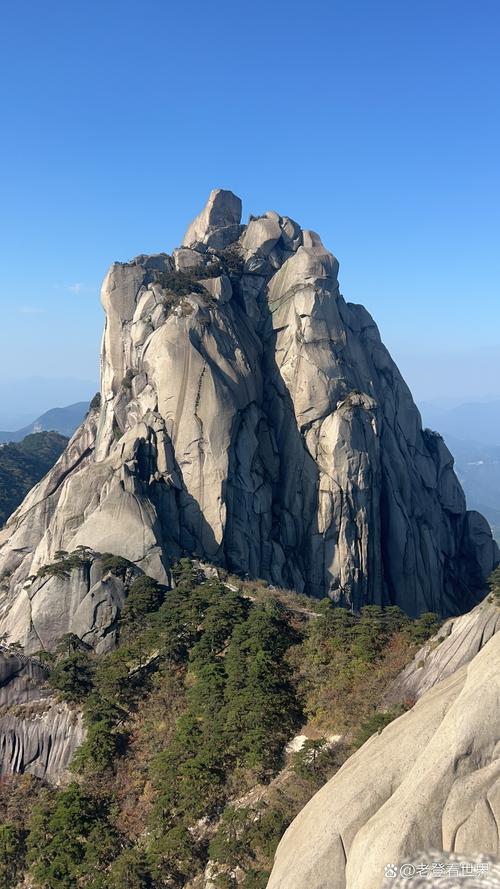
251	417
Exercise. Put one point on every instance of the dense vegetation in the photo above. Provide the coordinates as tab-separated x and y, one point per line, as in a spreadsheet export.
187	724
23	464
178	284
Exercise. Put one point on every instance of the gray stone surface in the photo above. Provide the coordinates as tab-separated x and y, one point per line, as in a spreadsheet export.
40	739
457	643
22	678
430	780
85	601
38	734
218	222
264	428
445	870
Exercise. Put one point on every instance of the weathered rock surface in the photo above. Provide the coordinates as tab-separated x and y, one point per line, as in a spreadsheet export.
457	643
251	417
38	734
40	740
430	780
441	870
21	678
84	600
218	224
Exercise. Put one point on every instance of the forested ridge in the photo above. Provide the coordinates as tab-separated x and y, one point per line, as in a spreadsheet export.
23	464
187	723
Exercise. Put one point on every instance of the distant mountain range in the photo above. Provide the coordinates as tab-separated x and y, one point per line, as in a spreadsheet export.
64	420
21	400
476	421
472	433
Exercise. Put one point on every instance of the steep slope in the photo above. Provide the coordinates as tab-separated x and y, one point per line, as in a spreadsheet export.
456	644
188	724
23	464
430	780
250	416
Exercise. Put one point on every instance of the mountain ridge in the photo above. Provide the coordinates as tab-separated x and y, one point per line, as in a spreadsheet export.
64	420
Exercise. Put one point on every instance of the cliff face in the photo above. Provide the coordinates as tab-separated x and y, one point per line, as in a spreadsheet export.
38	734
253	418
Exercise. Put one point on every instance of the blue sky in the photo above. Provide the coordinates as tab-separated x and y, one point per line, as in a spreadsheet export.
377	124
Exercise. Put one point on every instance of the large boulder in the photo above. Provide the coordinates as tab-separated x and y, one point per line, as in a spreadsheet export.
429	781
218	223
77	595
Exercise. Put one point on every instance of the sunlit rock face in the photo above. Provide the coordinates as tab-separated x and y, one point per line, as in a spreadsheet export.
429	781
251	417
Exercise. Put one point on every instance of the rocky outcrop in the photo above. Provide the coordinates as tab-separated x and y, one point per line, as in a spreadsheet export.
457	643
38	734
430	780
77	594
251	417
22	678
40	740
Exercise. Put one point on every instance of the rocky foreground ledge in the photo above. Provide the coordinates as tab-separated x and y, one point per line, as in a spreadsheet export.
429	781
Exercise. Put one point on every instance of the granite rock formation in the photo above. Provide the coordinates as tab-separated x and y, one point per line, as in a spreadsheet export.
251	417
38	734
80	596
456	644
429	780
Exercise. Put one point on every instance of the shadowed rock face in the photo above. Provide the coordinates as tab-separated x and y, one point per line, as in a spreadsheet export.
40	740
251	417
21	678
38	734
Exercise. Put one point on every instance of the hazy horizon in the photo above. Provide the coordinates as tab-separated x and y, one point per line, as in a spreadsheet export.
23	400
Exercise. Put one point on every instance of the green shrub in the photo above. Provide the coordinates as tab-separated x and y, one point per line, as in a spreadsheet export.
175	857
65	563
70	834
130	871
12	854
256	879
494	584
375	724
99	750
72	677
145	595
421	629
116	565
179	284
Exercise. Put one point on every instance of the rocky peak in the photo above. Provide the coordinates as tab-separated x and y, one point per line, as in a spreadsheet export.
218	224
251	417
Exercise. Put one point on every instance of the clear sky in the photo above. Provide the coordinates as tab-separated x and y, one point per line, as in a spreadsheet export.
375	123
